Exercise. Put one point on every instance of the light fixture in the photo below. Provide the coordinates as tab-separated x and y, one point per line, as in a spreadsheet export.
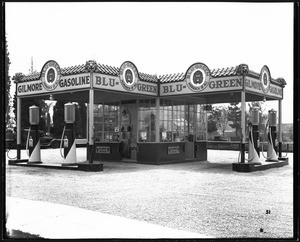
124	112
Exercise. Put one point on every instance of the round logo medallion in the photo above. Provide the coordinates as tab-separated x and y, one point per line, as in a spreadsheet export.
128	76
265	79
197	77
50	75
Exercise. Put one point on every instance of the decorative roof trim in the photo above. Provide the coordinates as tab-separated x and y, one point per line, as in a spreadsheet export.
167	78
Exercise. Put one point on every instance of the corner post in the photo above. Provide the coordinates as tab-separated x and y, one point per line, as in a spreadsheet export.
91	66
18	128
280	128
243	124
157	120
243	70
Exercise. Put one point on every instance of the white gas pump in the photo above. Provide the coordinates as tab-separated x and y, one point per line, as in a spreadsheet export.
271	128
253	152
33	146
68	135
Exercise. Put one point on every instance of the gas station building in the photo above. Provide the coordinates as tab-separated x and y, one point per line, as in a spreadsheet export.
148	118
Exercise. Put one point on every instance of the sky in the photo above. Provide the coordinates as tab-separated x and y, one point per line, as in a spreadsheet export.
158	37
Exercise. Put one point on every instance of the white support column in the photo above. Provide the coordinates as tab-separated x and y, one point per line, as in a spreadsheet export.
91	66
280	128
172	124
137	119
91	117
87	122
18	128
188	121
120	120
103	112
279	120
206	127
243	124
157	118
243	117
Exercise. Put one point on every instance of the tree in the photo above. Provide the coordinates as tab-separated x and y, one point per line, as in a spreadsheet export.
220	116
58	119
7	86
80	120
234	115
59	122
211	124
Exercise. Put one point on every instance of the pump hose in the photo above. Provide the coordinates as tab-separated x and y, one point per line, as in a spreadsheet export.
61	141
27	151
240	150
262	149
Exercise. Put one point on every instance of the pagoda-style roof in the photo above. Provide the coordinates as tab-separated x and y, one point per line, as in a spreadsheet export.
100	68
167	78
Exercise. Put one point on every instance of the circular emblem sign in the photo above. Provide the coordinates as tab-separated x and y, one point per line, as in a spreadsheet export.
128	76
50	75
197	77
265	79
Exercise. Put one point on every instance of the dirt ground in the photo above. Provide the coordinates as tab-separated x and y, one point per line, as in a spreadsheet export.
202	197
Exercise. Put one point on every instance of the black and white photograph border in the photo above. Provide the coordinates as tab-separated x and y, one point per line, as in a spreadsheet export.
88	157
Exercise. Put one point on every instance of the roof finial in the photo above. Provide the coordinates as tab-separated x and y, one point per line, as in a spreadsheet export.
91	65
242	69
281	81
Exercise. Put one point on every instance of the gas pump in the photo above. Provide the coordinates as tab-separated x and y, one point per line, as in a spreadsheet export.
271	132
253	153
254	119
33	139
68	135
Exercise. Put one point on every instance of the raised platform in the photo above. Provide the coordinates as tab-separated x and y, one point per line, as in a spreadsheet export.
250	167
82	166
17	161
90	167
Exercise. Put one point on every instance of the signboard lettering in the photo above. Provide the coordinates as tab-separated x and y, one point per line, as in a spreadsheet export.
23	88
67	82
102	149
172	150
253	84
113	83
146	88
257	86
105	81
219	84
225	83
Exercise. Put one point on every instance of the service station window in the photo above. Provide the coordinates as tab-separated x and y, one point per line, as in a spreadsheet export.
165	122
106	122
197	123
181	122
172	124
146	122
